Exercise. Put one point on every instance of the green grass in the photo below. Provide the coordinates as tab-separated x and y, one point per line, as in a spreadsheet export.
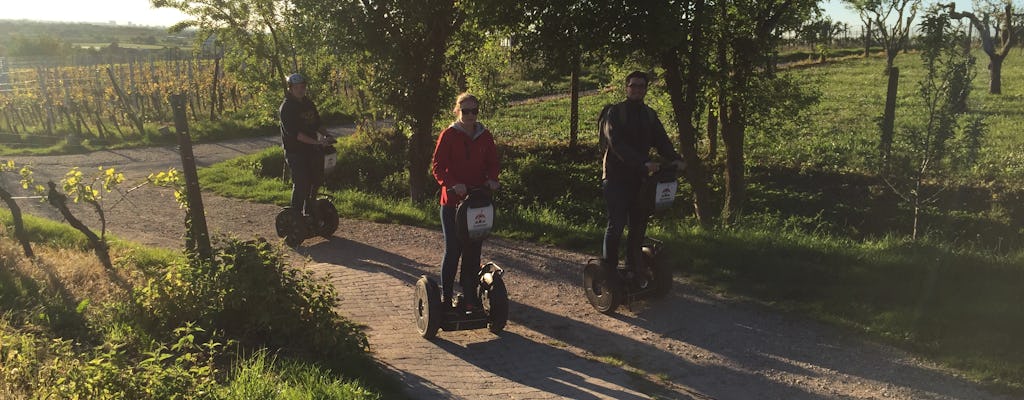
840	133
828	239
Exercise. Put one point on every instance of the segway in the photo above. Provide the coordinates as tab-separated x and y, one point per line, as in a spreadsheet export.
606	286
323	219
475	218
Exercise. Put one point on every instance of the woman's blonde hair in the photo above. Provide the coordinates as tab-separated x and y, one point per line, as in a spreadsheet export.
461	98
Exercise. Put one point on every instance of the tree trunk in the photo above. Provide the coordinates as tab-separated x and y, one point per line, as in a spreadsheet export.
684	105
99	245
889	114
574	102
424	101
995	74
867	40
19	225
735	185
419	155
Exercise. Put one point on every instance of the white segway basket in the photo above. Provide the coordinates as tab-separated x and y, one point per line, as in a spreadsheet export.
665	194
330	159
479	221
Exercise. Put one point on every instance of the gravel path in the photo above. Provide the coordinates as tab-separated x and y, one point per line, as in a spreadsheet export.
691	345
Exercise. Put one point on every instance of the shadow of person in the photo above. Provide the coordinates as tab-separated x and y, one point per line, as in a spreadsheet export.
544	367
359	256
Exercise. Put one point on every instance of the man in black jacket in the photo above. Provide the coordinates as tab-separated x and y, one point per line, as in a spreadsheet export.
630	130
300	127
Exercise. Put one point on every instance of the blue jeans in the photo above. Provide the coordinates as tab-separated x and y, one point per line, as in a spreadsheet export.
306	169
454	249
623	208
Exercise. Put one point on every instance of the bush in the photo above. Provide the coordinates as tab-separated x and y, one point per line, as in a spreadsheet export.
367	159
248	293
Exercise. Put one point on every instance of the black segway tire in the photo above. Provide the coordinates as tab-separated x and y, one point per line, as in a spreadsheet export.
328	214
293	240
603	286
661	274
427	306
495	302
283	222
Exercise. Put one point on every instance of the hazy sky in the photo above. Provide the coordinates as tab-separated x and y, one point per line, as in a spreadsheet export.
139	12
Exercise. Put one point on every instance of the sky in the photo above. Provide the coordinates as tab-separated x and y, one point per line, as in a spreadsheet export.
140	12
123	12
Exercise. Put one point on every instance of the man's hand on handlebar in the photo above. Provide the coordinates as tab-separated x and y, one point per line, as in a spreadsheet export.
680	165
492	184
326	140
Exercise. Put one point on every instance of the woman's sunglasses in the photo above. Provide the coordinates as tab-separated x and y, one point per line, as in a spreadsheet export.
471	110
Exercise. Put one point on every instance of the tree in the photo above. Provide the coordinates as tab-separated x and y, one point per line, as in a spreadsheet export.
559	34
406	42
259	32
928	154
893	20
997	32
751	30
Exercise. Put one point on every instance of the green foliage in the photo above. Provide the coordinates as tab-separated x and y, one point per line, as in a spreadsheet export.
372	159
256	377
248	293
59	368
924	151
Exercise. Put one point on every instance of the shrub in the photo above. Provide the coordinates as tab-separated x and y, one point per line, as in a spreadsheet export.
248	293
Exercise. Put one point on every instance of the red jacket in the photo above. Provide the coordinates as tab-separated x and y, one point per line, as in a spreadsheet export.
467	158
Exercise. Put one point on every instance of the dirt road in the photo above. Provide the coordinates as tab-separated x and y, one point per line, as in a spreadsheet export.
692	345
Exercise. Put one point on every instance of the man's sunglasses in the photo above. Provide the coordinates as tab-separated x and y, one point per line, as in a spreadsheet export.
471	110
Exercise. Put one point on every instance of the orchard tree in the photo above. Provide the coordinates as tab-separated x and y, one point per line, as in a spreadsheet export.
997	29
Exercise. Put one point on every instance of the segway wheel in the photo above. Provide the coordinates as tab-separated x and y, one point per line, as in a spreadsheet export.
328	215
283	222
427	306
293	240
662	275
602	286
495	301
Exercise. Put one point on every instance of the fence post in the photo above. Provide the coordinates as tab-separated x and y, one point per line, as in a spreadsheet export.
197	237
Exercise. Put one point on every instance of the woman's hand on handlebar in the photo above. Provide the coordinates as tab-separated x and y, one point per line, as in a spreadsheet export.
459	189
652	167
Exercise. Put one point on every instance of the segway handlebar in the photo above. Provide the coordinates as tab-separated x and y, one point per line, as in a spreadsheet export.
471	189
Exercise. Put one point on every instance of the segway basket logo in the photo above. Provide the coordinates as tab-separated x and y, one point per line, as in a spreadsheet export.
479	221
665	193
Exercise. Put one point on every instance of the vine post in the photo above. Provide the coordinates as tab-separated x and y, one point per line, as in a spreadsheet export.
197	236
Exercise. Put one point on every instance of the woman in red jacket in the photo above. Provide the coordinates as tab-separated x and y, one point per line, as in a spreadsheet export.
465	158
